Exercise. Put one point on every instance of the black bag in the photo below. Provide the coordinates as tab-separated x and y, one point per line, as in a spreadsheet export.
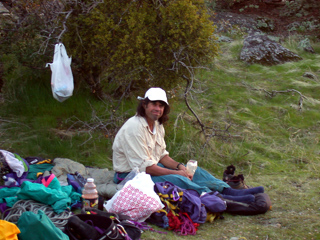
95	227
114	216
84	227
261	205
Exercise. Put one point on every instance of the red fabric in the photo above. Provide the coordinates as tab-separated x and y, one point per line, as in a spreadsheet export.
182	223
174	221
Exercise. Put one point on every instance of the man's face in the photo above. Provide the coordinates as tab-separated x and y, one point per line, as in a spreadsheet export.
154	110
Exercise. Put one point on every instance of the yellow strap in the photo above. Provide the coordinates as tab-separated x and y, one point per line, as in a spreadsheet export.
167	201
169	204
163	195
211	217
167	196
162	210
45	161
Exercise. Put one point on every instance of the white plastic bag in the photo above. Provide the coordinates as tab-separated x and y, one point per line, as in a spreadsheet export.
137	199
129	177
61	77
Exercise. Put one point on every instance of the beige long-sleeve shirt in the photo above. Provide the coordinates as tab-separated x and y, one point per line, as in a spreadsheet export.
135	145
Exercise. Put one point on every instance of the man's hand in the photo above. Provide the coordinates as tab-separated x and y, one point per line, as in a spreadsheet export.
155	170
184	173
171	165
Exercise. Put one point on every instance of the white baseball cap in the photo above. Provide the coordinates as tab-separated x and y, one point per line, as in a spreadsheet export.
155	94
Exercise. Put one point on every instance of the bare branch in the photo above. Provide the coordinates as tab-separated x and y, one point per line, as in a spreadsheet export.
189	85
124	93
176	125
273	93
179	61
105	124
64	26
9	121
52	17
182	60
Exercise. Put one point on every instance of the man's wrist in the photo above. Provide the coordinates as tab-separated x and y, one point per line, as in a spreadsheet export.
179	164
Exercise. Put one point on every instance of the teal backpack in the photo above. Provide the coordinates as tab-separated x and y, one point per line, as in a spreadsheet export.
38	227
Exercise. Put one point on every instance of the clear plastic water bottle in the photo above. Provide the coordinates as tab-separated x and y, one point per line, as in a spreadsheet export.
10	181
192	166
90	195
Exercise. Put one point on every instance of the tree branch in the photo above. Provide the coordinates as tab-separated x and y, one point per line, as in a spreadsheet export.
180	59
64	26
273	93
188	87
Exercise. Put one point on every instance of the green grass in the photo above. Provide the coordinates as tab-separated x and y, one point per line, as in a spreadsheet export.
267	138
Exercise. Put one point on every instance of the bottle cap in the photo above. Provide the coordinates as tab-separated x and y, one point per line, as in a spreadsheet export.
90	180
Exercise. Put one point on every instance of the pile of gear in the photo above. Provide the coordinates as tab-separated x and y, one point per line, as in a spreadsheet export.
41	199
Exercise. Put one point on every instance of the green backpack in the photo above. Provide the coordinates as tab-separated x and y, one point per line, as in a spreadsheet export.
38	227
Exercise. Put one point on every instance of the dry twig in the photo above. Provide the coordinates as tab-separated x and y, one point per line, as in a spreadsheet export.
182	60
273	93
105	124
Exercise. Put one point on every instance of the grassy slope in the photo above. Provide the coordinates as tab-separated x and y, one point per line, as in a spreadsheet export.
268	139
272	142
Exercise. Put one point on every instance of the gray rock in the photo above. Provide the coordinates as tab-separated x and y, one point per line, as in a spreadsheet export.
274	38
228	22
234	22
261	49
224	39
306	45
103	177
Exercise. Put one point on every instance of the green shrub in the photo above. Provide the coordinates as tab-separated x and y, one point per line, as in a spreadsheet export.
116	46
140	43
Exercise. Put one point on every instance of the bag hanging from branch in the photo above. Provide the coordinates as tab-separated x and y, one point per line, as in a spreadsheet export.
61	77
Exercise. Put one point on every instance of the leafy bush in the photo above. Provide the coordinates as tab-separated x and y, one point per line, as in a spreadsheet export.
140	43
114	44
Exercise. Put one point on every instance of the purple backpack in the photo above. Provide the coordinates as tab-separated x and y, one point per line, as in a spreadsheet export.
187	200
213	202
77	181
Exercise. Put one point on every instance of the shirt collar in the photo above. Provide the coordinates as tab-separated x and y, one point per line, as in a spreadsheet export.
146	125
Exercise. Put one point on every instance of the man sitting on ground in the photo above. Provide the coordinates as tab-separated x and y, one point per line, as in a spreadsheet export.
140	143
